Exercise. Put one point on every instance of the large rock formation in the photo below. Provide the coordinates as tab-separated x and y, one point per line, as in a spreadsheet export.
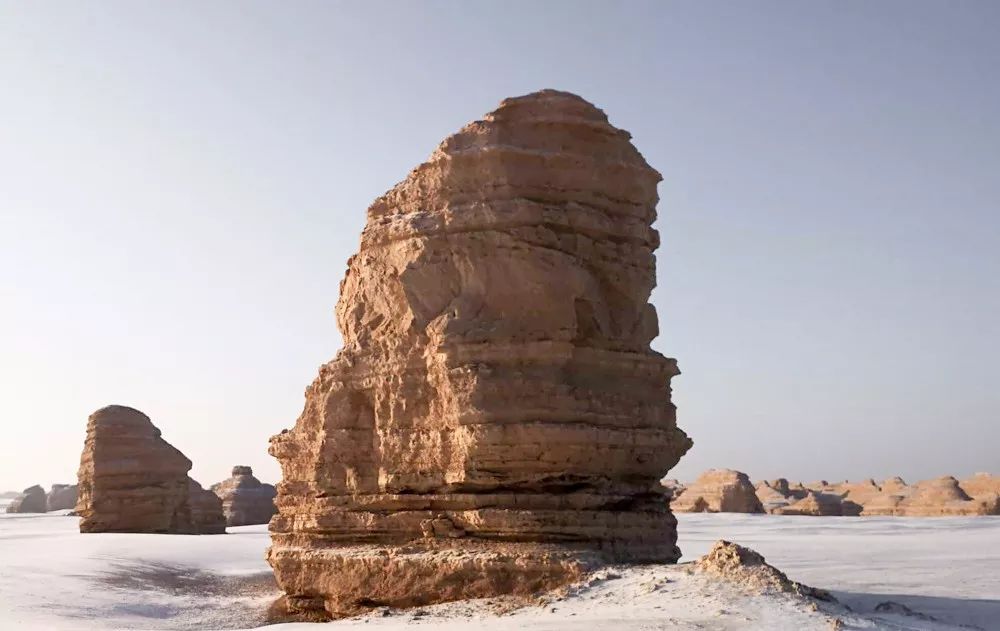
496	414
61	497
30	500
770	497
245	501
131	480
719	491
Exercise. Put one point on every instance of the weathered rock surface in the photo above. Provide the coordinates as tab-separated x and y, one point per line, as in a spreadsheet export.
61	497
496	413
719	491
30	500
245	501
131	480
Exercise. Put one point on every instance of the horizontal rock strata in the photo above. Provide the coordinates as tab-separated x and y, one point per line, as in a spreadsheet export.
496	416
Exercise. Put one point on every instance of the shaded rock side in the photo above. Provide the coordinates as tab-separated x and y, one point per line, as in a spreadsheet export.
771	498
719	491
496	382
130	479
61	497
245	500
30	500
207	517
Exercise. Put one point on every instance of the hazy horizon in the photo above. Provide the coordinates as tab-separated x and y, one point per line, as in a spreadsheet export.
181	185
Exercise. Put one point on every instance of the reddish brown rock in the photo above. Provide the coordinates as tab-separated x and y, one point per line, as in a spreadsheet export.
245	501
30	500
61	497
496	417
719	491
131	480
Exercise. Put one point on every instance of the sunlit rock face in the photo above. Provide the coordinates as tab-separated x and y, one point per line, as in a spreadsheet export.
496	418
131	480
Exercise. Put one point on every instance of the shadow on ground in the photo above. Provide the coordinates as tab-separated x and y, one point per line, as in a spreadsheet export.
972	613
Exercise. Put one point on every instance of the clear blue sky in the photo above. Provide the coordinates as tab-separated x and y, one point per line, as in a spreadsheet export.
181	184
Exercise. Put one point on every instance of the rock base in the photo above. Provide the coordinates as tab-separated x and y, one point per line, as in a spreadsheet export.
339	582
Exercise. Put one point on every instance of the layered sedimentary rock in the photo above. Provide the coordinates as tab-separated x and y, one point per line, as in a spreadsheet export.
719	491
30	500
939	497
61	497
496	418
245	500
131	480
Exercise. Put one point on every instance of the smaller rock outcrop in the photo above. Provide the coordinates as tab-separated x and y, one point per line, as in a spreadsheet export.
31	500
245	500
719	491
748	569
61	497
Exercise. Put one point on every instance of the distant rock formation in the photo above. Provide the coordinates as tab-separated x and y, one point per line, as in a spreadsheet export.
821	504
931	498
719	491
61	497
496	413
981	485
245	501
771	498
131	480
30	500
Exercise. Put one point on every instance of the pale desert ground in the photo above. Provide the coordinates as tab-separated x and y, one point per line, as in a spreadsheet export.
947	571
